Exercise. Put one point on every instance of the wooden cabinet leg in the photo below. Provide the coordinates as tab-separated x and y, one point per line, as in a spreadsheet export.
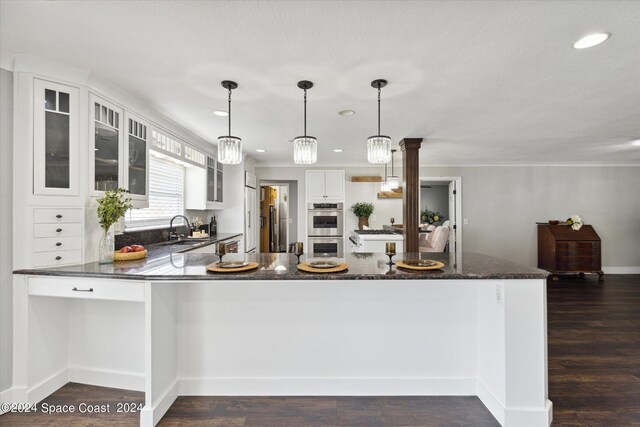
601	276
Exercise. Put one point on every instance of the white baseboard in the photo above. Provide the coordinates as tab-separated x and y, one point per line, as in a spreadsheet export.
530	417
491	402
621	270
45	388
150	416
224	386
106	378
6	396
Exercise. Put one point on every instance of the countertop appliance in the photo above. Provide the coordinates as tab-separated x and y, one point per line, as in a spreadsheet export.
362	241
325	227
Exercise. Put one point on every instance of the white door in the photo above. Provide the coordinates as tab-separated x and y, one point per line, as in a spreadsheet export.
452	217
334	185
250	219
315	186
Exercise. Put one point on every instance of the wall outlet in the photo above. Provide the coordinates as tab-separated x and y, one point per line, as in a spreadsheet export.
466	221
372	217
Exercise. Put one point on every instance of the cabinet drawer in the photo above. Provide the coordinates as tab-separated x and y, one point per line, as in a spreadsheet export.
48	244
57	230
44	259
117	290
55	215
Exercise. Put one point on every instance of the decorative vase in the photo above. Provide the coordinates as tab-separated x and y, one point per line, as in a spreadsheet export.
362	221
107	246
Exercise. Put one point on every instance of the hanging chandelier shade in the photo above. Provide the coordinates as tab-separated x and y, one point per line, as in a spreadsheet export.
229	147
379	146
383	185
305	148
393	181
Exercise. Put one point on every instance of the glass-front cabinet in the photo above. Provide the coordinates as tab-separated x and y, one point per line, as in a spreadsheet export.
120	153
137	170
106	165
219	182
56	139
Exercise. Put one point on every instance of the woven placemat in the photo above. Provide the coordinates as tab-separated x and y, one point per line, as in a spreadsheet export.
304	266
129	256
214	267
437	266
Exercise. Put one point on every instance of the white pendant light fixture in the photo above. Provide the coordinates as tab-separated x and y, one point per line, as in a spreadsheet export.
305	148
229	147
379	146
393	181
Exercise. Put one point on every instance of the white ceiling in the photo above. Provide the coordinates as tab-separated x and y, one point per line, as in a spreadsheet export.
482	82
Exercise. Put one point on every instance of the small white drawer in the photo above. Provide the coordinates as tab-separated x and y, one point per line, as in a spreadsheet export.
56	215
57	230
116	290
47	259
48	244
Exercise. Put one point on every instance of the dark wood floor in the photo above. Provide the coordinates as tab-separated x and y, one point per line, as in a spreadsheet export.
594	380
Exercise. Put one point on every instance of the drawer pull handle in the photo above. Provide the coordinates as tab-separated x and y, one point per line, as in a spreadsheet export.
58	216
58	244
58	258
58	230
82	290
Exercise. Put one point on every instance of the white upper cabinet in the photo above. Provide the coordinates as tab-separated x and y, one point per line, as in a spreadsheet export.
204	186
324	186
136	173
106	165
56	146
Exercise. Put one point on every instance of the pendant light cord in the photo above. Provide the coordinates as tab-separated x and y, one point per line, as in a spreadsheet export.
305	113
378	108
229	112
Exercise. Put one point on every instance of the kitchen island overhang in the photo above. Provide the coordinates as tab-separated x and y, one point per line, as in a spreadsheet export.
169	328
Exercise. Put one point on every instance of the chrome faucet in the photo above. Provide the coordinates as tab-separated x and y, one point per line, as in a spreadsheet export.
171	233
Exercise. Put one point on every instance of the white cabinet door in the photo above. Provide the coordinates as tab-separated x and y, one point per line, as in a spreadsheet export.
136	161
334	185
56	161
195	189
106	165
316	186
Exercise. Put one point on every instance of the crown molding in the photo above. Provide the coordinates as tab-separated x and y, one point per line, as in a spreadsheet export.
450	165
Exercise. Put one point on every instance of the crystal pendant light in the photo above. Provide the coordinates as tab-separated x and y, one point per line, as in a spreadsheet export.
384	186
379	146
393	181
305	148
229	147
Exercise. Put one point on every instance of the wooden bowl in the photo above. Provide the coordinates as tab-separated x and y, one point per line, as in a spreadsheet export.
129	256
554	222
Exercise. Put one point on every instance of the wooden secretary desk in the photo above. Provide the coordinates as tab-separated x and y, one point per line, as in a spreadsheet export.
564	250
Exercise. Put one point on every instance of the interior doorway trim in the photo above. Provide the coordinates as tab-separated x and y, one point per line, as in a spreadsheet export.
275	183
458	201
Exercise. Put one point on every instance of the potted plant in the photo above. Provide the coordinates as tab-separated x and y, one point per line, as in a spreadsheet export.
362	210
431	217
111	207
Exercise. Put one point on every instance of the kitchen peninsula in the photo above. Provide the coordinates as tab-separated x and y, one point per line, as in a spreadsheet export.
168	327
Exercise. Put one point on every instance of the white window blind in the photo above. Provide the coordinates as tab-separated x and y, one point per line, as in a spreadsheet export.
166	196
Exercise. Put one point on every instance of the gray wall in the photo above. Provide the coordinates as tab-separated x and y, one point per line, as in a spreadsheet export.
6	219
435	199
503	204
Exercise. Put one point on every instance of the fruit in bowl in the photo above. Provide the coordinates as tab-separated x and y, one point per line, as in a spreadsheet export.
132	248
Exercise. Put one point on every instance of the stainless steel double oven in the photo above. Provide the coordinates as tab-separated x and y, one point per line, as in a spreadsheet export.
325	228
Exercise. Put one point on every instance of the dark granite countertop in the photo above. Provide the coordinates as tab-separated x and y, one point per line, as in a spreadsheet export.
161	249
168	263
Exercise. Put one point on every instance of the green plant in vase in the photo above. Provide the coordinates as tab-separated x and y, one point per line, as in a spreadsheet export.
111	207
431	217
362	210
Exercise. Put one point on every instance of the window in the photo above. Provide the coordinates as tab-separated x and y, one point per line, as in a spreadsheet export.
166	196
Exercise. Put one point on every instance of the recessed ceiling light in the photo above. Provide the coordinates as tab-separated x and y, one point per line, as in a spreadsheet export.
346	112
591	40
338	150
260	150
221	113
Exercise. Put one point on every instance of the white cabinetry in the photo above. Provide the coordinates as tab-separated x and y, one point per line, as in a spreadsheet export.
119	156
325	186
57	236
250	228
203	189
56	148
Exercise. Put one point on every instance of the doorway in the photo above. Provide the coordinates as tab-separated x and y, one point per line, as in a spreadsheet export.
441	204
274	218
